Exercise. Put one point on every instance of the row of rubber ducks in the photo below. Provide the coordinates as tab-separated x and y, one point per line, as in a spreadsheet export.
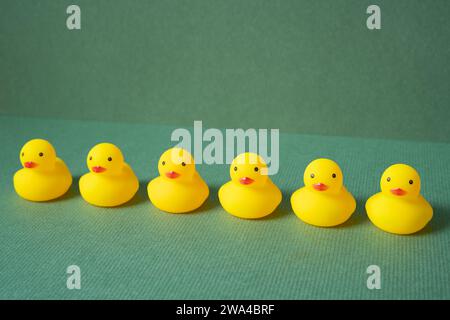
323	201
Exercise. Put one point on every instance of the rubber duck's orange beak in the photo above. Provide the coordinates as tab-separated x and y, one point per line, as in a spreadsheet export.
98	169
246	180
172	174
398	191
30	164
320	186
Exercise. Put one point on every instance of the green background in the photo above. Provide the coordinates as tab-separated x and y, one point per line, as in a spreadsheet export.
137	70
304	66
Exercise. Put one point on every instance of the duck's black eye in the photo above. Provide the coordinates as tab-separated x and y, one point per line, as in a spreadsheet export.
312	175
183	164
388	179
334	175
256	169
411	182
163	163
41	154
90	158
109	159
23	153
235	168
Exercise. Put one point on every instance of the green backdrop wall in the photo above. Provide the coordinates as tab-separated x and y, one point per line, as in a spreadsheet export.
303	66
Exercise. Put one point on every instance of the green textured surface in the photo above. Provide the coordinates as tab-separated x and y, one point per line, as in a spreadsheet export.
136	251
304	66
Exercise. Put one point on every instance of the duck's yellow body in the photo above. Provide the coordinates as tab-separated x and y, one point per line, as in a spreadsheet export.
249	203
250	194
44	176
111	182
324	201
179	188
399	208
323	210
177	197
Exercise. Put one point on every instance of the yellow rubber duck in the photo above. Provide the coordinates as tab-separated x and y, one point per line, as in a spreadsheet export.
44	176
323	201
250	194
179	188
110	182
399	208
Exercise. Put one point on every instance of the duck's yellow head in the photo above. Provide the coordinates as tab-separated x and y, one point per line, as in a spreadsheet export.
323	175
249	169
176	164
400	180
38	154
105	159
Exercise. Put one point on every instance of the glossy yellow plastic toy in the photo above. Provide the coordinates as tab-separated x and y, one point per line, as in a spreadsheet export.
323	201
44	176
179	188
110	182
250	194
399	208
